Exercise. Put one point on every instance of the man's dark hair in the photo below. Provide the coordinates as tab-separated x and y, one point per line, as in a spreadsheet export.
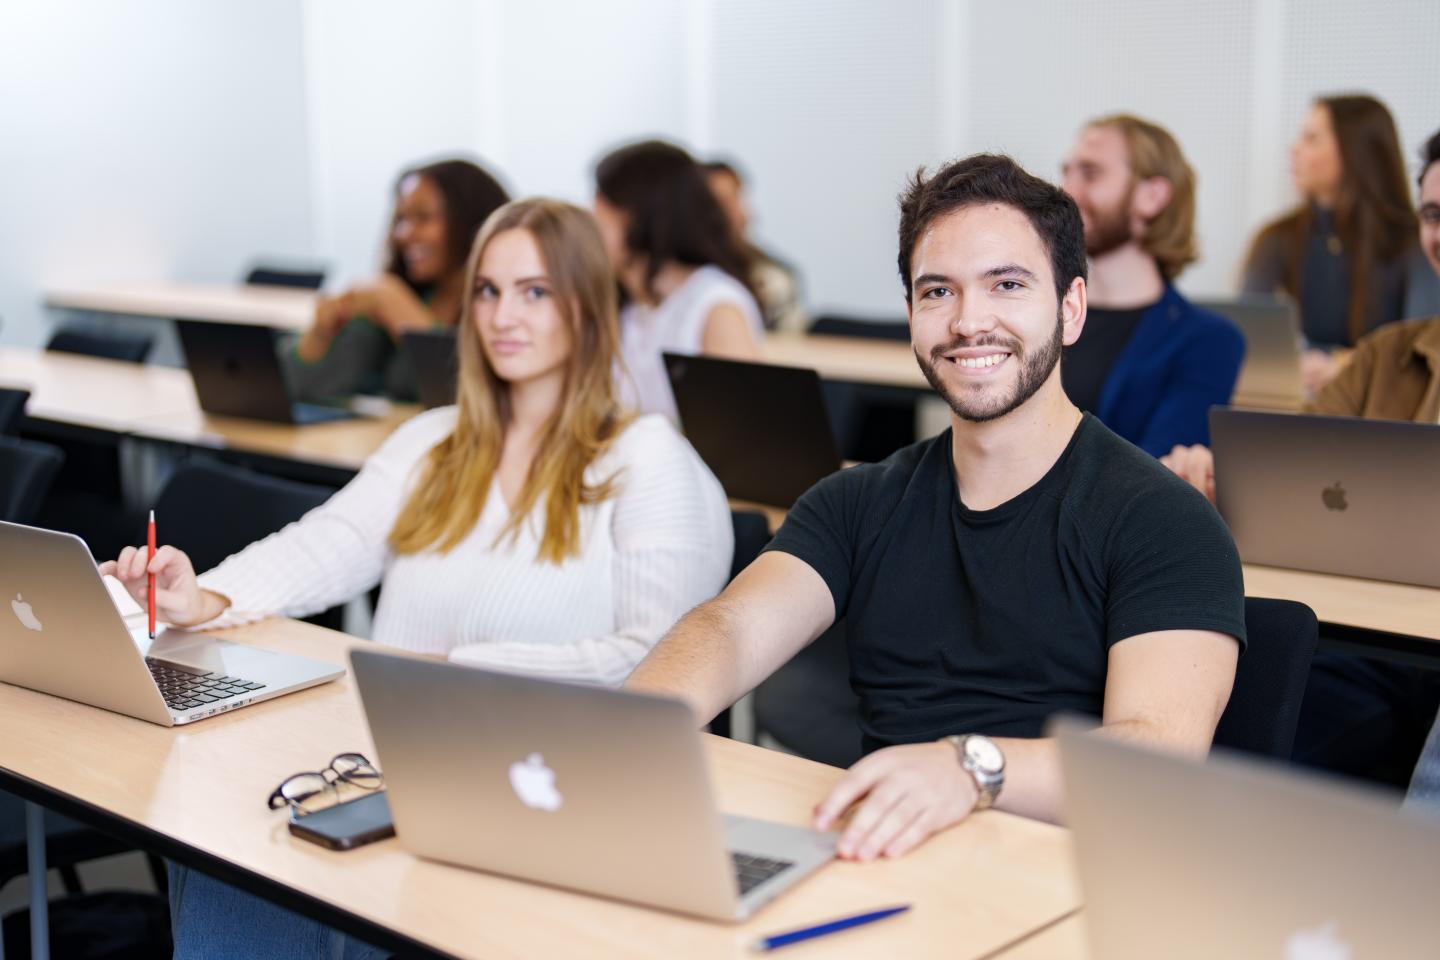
992	178
1429	156
673	213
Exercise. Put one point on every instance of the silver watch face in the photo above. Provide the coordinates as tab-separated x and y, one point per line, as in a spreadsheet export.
984	754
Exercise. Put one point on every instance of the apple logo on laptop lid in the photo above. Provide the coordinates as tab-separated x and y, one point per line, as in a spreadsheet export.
1334	497
534	784
25	614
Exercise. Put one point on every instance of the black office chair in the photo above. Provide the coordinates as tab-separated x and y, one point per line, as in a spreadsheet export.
211	510
12	408
752	532
27	469
1270	678
808	706
264	275
110	344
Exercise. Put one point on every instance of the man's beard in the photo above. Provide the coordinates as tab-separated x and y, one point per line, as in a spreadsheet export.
1110	229
1034	371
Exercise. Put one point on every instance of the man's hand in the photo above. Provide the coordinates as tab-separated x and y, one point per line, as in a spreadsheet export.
909	793
1196	466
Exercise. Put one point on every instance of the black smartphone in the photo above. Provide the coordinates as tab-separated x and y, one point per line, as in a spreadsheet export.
347	825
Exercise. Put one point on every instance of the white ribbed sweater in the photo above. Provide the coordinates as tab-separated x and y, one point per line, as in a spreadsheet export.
652	551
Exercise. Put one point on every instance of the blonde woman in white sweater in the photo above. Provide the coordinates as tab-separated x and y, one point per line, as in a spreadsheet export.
534	526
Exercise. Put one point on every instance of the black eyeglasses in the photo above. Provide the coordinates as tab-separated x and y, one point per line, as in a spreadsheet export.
300	790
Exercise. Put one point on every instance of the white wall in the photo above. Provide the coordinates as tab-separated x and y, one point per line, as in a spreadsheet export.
172	139
146	140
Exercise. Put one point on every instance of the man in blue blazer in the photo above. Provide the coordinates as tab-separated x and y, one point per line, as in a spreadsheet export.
1149	363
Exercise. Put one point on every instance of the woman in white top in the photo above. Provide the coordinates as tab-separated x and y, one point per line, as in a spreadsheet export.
533	527
683	274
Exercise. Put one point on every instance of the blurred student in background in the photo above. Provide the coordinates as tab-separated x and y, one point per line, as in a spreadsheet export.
774	281
684	276
354	344
1346	253
1149	363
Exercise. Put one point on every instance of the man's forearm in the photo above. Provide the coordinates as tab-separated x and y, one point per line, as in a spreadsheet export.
1034	786
696	661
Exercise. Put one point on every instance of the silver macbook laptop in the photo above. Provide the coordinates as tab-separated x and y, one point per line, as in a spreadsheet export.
582	787
1337	495
1271	372
1230	858
60	633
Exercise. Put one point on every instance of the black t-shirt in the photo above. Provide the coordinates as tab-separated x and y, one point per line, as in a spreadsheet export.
966	621
1087	361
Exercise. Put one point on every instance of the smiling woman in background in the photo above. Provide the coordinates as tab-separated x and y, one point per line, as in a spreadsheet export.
684	274
1344	255
353	345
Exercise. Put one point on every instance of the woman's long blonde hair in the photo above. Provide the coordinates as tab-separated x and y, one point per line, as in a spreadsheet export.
460	470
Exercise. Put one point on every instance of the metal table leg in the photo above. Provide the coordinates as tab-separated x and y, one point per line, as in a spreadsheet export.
39	892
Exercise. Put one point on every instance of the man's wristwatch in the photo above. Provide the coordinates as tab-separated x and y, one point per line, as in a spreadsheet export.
982	758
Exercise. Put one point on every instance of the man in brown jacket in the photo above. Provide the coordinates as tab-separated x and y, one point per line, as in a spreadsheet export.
1394	372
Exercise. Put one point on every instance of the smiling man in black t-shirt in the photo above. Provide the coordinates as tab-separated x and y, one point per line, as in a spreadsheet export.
1023	562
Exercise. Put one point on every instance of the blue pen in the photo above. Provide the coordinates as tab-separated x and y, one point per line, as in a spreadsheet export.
834	926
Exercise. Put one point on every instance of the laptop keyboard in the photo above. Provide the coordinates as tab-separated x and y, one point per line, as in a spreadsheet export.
185	688
752	870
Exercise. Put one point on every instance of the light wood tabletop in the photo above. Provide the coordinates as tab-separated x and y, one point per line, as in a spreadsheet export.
93	392
344	444
1063	940
853	359
1397	608
285	308
974	888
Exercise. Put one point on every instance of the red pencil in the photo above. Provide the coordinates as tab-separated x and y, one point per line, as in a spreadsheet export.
150	578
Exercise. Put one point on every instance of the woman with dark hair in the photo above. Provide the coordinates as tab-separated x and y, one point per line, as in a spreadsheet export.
684	276
353	345
1345	253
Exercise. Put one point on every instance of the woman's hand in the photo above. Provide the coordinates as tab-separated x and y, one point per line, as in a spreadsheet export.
331	315
178	597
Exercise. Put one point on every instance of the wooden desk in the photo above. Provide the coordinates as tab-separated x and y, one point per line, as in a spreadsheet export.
1064	940
92	392
284	308
159	403
196	794
888	363
340	444
1394	608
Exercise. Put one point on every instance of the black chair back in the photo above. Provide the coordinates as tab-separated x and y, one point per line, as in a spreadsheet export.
211	510
262	275
12	407
1270	678
808	706
752	532
27	469
110	344
881	328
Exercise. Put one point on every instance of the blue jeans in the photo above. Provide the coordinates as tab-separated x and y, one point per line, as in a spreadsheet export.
211	920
